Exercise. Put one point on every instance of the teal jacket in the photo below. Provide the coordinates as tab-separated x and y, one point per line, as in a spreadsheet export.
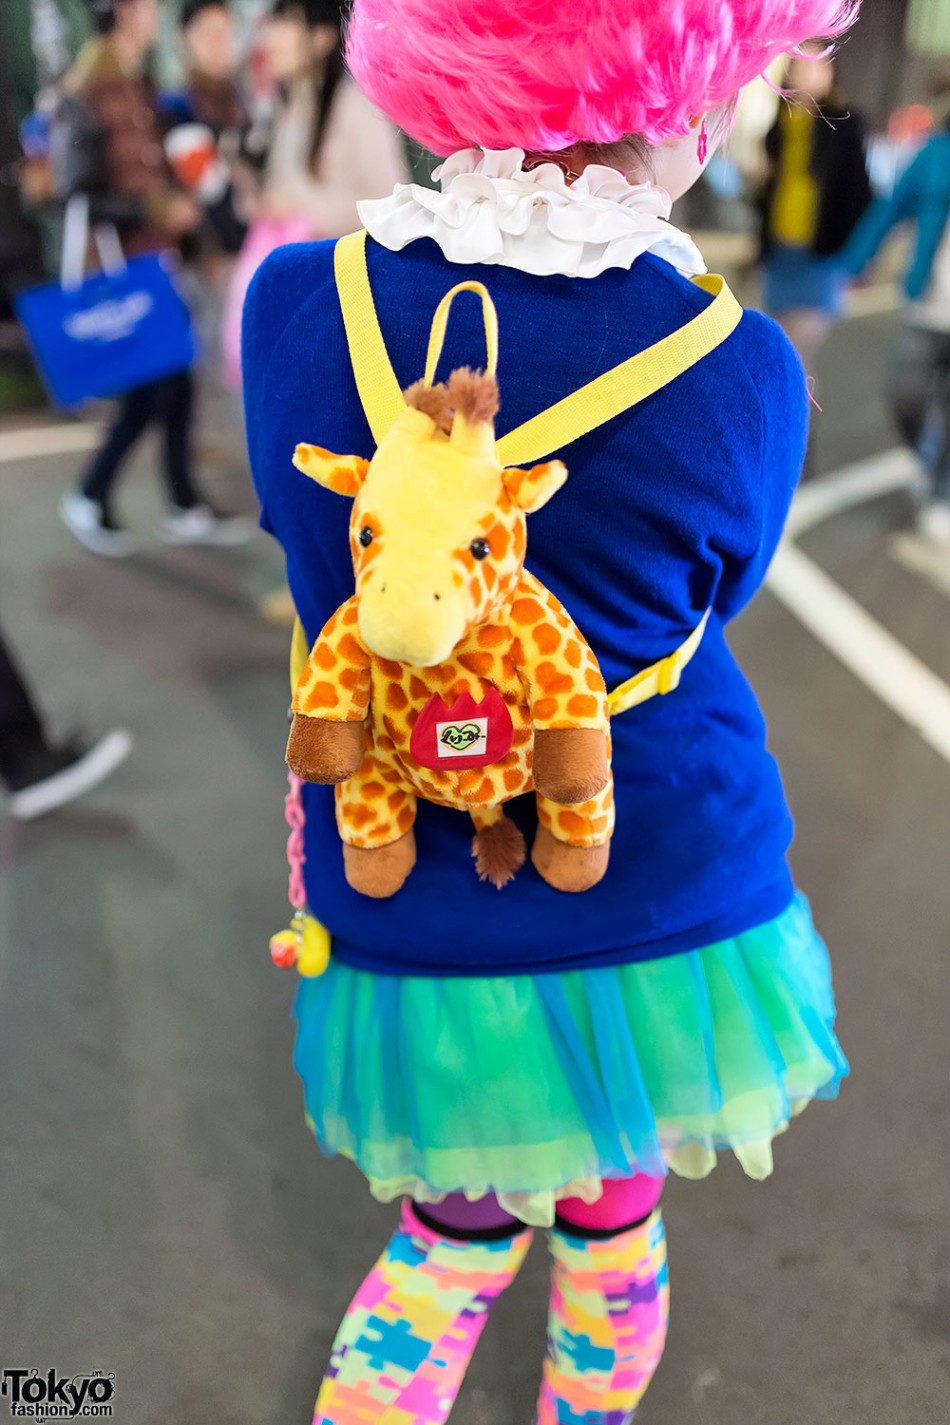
922	196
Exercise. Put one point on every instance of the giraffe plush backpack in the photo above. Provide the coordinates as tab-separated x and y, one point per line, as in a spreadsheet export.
452	674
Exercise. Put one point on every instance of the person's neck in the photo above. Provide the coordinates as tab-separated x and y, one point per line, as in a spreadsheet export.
573	161
309	77
130	54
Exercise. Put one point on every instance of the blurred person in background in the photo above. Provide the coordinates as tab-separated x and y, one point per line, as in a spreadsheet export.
920	374
328	148
209	51
211	109
816	192
38	773
107	145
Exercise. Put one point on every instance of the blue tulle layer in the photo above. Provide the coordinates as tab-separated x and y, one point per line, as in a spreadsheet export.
534	1086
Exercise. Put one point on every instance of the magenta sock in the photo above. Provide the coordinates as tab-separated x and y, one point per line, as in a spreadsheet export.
456	1214
623	1202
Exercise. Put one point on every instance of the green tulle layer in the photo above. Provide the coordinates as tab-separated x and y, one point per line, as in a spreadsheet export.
535	1087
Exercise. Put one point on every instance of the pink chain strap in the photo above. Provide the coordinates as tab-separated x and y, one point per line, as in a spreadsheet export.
296	819
287	947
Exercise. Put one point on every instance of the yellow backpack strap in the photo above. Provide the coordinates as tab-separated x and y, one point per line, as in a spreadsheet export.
299	653
626	385
593	405
375	379
660	678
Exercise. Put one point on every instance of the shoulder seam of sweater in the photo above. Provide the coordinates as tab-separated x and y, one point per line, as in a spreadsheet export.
763	440
266	378
278	340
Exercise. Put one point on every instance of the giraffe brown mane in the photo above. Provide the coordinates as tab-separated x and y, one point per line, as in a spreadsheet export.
474	394
433	401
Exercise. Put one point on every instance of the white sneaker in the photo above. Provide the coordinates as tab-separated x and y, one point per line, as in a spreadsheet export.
202	525
933	523
59	775
88	522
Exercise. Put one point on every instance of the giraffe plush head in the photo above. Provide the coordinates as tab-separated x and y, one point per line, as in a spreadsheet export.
437	532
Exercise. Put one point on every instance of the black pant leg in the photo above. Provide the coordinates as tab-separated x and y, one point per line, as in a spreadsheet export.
176	408
21	730
135	412
913	382
940	472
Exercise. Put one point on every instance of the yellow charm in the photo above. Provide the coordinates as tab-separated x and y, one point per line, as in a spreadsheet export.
314	953
306	944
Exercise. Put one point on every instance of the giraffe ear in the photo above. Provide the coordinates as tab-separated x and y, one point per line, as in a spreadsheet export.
343	474
530	489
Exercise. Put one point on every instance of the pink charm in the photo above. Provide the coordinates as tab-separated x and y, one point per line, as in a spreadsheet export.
283	949
703	146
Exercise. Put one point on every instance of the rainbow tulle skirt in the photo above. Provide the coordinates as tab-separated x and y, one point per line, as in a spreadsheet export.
536	1087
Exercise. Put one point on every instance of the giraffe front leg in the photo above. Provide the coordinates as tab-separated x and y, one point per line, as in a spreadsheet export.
571	765
331	703
322	751
572	848
498	846
375	815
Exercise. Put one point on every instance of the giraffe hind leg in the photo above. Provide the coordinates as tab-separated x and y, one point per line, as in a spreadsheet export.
498	847
572	848
380	871
375	817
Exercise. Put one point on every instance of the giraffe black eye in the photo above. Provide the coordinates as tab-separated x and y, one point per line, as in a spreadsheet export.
479	548
365	536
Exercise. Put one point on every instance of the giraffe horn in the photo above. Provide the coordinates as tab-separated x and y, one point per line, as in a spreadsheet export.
474	397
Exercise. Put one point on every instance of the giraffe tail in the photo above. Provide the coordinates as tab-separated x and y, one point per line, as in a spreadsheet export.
499	850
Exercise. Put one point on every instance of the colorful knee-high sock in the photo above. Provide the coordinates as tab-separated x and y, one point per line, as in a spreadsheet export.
607	1324
409	1334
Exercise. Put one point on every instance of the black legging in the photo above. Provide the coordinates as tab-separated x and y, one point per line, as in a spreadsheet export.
170	403
920	393
21	731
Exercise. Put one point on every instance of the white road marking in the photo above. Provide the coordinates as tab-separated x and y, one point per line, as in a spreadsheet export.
876	300
921	557
853	485
861	644
48	440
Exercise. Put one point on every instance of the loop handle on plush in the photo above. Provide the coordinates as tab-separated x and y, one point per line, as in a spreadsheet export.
441	320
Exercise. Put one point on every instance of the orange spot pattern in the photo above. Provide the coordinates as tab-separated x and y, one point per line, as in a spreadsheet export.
532	653
322	695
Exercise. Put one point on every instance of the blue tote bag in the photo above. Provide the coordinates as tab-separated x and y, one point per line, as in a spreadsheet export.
110	332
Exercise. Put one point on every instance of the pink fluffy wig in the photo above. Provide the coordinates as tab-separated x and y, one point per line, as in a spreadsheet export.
545	74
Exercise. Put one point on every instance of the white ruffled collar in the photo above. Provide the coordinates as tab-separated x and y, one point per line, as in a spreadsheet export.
491	210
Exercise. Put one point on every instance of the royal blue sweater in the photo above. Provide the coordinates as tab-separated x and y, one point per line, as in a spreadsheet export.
676	506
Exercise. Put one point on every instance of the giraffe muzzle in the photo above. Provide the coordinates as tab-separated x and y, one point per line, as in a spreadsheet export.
405	626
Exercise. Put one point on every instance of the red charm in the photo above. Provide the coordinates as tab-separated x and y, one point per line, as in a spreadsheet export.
467	734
